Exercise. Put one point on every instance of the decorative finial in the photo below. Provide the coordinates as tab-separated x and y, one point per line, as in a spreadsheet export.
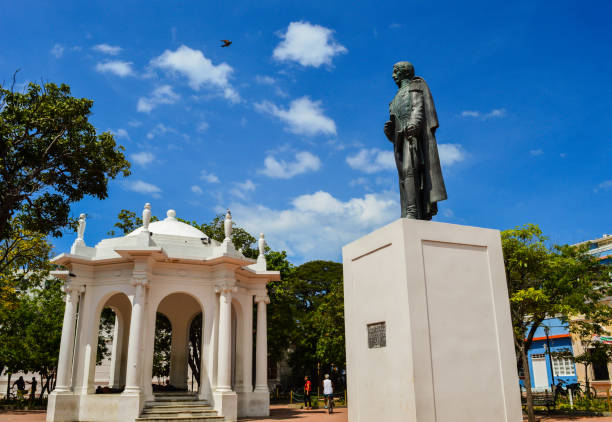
262	244
146	216
228	224
171	214
81	229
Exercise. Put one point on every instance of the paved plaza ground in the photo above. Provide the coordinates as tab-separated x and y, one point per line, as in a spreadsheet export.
283	413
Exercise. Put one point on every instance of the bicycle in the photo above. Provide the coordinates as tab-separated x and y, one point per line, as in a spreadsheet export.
330	403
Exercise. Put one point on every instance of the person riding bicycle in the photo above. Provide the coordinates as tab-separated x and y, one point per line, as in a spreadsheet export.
328	391
21	385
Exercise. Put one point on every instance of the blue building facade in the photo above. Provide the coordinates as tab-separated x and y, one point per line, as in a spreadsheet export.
546	369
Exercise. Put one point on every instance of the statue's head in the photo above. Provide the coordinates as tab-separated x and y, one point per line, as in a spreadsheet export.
401	71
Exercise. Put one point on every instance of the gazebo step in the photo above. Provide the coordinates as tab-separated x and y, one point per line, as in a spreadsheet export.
177	414
177	403
178	408
161	412
175	397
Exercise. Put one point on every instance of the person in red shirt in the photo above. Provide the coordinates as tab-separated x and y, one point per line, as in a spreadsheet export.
307	388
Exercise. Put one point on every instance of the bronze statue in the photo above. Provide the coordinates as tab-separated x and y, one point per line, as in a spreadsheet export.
412	129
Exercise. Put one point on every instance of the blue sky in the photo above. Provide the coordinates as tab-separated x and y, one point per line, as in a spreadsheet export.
285	126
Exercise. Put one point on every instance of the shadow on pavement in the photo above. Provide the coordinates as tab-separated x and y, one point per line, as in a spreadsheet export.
288	414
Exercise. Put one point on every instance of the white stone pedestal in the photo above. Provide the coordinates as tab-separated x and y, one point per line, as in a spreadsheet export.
440	290
226	403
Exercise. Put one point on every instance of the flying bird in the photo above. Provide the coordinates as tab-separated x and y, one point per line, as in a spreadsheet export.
226	43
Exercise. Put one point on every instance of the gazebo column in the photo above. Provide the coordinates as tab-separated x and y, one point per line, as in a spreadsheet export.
116	354
64	364
247	336
225	399
132	378
261	368
224	368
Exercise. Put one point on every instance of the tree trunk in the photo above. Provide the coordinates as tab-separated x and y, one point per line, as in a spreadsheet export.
8	386
529	404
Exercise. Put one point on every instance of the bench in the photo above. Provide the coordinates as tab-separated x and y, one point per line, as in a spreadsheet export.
545	399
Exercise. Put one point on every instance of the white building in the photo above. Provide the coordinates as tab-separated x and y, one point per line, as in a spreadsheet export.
169	267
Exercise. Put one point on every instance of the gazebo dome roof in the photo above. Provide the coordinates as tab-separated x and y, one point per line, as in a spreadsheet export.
170	226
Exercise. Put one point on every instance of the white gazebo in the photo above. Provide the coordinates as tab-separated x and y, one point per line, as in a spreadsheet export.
170	267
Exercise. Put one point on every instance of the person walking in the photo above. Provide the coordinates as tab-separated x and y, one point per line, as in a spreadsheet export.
34	384
307	389
328	391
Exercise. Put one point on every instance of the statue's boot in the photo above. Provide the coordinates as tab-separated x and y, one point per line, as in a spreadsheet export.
410	197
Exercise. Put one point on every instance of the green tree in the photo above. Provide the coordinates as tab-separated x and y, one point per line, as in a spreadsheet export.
44	306
545	282
50	157
161	349
315	289
24	265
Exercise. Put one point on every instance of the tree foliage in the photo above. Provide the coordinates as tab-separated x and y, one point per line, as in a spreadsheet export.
31	332
24	272
50	157
161	349
315	290
551	281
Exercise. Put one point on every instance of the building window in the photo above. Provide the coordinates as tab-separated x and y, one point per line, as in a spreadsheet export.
538	356
563	367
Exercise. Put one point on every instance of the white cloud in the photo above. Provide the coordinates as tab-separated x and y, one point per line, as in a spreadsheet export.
199	70
117	67
536	152
605	185
448	213
371	160
135	123
360	181
265	80
375	160
160	129
111	50
303	117
316	226
304	162
143	158
161	95
209	177
307	44
197	190
143	187
497	112
202	126
450	154
57	50
241	189
121	133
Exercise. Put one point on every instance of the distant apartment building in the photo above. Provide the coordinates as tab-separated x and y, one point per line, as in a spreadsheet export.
598	373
